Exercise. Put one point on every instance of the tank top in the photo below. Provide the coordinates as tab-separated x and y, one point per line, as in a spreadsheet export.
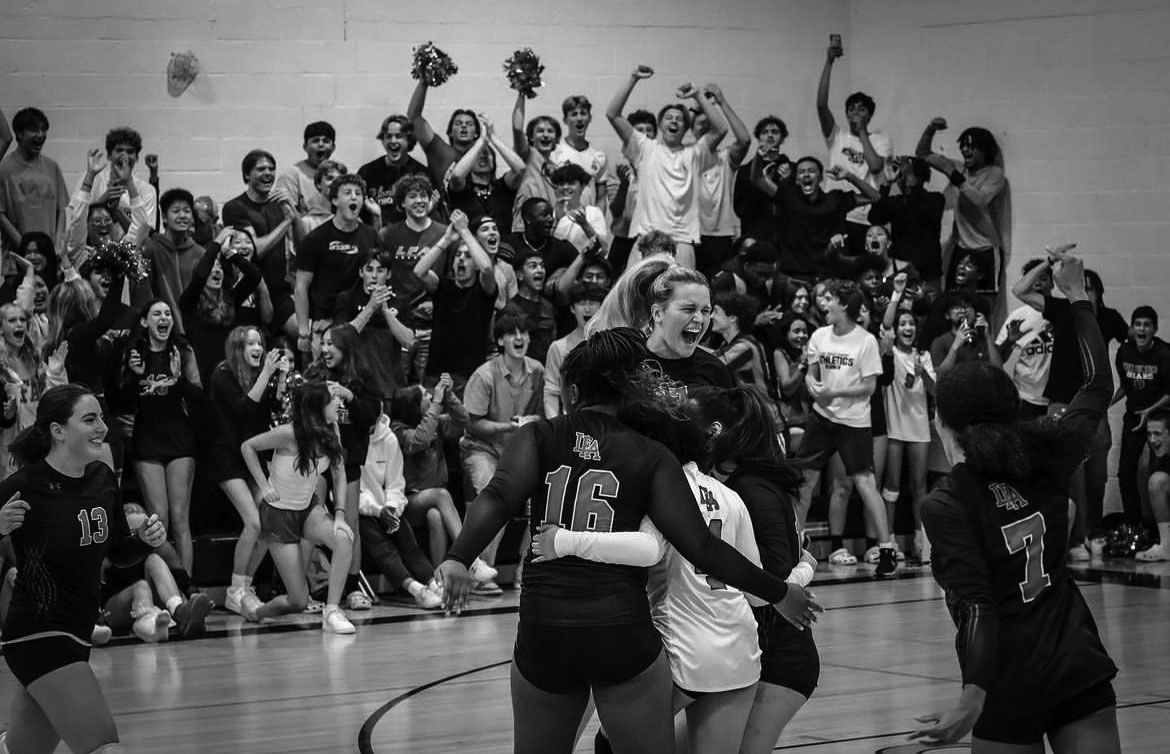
295	489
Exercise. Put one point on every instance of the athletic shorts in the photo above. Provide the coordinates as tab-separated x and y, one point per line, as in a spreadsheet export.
822	438
283	526
569	659
789	656
1031	730
35	658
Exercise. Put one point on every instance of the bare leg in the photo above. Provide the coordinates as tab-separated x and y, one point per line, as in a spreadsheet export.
152	480
29	730
716	722
684	254
180	473
544	723
841	487
74	704
811	480
875	509
319	529
250	549
637	715
287	558
774	708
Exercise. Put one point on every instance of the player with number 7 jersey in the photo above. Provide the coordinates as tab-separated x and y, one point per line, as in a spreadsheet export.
1032	662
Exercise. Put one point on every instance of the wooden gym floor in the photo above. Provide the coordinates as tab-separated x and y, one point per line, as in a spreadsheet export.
419	682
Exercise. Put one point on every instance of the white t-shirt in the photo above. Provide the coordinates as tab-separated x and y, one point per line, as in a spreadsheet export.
845	150
591	159
845	360
716	213
567	230
907	419
1031	359
707	627
668	187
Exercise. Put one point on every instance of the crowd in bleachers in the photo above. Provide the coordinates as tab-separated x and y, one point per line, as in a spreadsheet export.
436	301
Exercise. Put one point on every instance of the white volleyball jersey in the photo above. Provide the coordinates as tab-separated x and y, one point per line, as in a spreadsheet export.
707	627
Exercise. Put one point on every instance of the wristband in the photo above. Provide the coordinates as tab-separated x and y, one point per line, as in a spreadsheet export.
957	178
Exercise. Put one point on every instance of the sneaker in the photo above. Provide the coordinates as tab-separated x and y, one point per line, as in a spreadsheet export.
152	625
235	599
1079	554
335	622
357	600
1154	554
426	598
887	563
191	614
871	555
100	636
842	557
250	602
314	607
488	588
481	571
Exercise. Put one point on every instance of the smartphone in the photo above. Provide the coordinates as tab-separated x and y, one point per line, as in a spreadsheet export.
835	43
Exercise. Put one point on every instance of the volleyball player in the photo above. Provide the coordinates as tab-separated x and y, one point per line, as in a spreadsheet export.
741	425
1033	664
64	516
586	626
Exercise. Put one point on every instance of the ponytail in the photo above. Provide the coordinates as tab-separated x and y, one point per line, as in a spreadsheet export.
31	445
55	407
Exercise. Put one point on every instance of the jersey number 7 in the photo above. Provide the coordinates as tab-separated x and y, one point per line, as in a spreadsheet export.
1028	534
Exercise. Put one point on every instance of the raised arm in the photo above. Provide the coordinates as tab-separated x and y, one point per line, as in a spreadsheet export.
519	136
867	193
431	257
718	125
422	129
824	114
1091	402
925	148
617	106
739	130
5	135
462	168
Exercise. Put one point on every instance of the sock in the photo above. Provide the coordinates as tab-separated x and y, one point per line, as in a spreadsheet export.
601	744
890	496
329	609
173	604
885	545
1164	533
414	587
239	582
870	542
836	543
351	584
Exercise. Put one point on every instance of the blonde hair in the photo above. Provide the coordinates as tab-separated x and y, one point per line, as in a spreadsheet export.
650	281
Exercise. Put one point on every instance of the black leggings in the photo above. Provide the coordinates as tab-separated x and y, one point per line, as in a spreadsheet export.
396	556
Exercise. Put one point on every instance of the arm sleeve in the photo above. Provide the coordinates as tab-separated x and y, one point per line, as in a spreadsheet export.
673	509
1089	405
634	548
961	570
745	542
418	438
249	281
515	480
199	277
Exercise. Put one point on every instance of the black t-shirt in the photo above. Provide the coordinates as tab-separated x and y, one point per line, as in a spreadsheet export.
557	254
1144	375
72	524
494	200
380	179
408	245
242	212
809	226
916	223
459	336
1066	375
335	257
700	369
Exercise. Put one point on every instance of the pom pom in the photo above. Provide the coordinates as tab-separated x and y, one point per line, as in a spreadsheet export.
121	258
523	69
432	65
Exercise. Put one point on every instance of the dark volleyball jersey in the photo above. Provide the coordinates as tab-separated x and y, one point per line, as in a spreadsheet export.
588	471
72	524
1026	635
